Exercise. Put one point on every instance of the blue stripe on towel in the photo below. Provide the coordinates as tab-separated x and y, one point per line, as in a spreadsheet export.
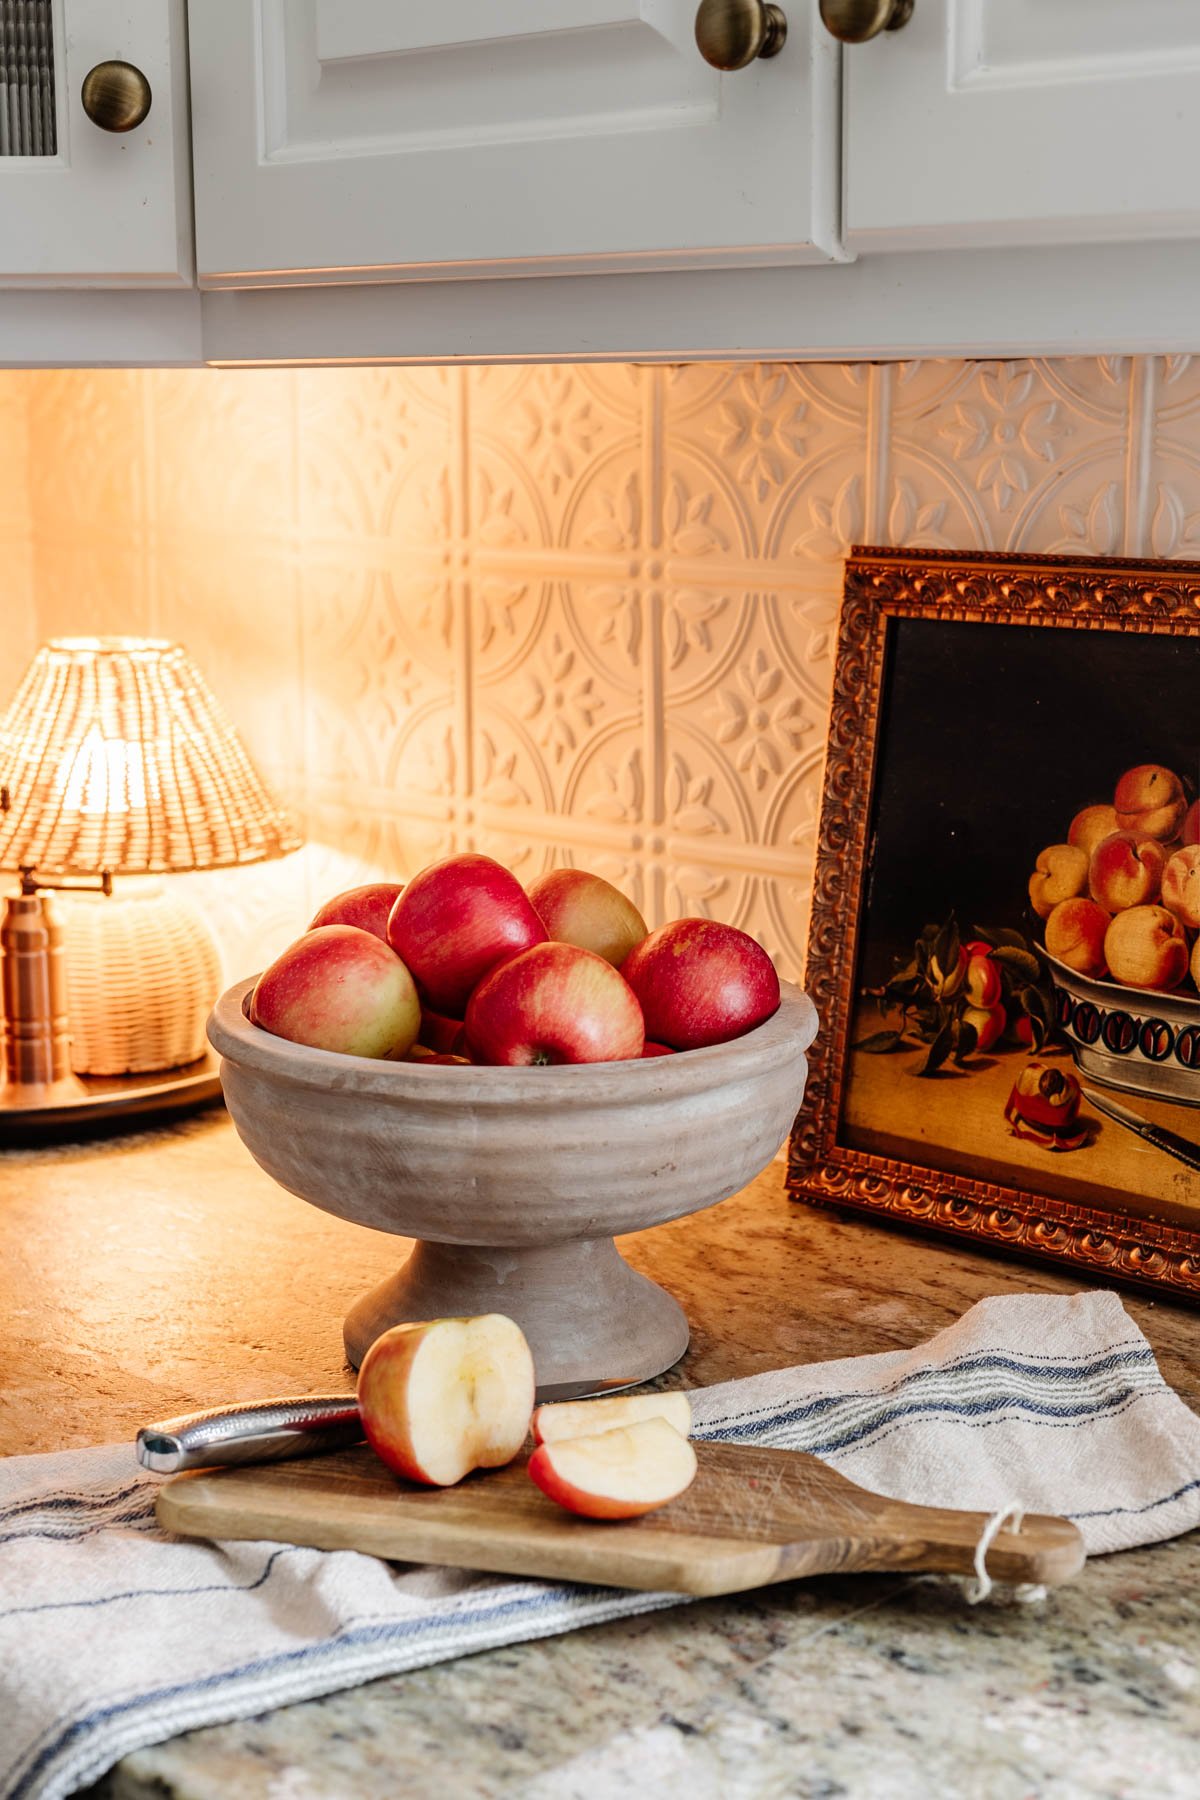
971	1413
214	1587
1111	1512
349	1637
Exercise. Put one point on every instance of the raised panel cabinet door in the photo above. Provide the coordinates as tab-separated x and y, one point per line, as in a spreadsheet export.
995	122
391	139
83	205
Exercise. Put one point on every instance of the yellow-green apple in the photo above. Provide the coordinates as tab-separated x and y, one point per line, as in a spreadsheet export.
981	984
988	1023
339	988
554	1003
441	1397
616	1474
456	920
1150	800
1075	934
701	982
583	1418
578	908
1145	947
1089	826
1181	886
368	907
1061	872
1126	870
1191	824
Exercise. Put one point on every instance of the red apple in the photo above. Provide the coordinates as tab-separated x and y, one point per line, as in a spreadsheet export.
456	920
578	908
438	1032
554	1003
584	1418
616	1474
339	988
367	907
441	1397
650	1049
988	1023
700	982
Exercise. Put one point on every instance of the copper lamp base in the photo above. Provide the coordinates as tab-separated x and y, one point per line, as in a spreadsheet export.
80	1105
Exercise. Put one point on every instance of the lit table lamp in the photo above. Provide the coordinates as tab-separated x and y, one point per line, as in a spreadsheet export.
116	759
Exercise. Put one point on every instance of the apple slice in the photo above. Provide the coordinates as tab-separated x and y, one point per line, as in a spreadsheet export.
616	1474
583	1418
444	1396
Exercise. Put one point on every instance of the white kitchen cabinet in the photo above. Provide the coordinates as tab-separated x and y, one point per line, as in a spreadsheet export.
1019	122
393	139
81	206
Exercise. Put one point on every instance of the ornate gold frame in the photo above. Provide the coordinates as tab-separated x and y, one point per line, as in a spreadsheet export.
1058	592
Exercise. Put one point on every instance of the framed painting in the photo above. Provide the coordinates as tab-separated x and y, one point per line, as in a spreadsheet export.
1005	939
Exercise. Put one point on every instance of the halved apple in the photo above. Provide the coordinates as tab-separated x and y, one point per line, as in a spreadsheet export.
441	1397
616	1474
582	1418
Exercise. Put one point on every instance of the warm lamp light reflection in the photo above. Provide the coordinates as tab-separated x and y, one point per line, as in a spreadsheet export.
107	775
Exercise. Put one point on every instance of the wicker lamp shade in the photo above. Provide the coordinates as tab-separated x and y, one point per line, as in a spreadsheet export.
115	755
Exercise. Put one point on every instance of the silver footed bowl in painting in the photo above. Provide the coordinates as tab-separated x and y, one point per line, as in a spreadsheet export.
514	1181
1142	1041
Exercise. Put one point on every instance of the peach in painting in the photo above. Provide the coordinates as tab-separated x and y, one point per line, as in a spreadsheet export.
1181	886
1146	948
1089	826
1150	800
1061	873
1126	870
1075	933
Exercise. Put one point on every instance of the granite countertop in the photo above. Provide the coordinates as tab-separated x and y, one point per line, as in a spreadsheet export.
154	1272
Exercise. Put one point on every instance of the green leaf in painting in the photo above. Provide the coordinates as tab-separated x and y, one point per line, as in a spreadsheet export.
1022	962
880	1043
939	1050
946	945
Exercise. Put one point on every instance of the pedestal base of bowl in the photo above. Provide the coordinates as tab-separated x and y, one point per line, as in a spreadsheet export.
587	1315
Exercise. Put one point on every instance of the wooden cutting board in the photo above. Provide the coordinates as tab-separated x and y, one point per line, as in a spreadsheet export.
752	1516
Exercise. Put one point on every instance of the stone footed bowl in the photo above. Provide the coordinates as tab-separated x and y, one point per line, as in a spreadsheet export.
515	1181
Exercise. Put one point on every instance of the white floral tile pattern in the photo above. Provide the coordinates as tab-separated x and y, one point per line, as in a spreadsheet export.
578	615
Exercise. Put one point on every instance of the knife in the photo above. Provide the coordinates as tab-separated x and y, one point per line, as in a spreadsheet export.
1181	1148
270	1430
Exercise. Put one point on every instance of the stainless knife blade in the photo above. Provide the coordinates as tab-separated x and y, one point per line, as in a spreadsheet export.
270	1430
1181	1148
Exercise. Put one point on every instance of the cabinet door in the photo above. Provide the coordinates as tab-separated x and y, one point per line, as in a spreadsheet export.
1025	122
400	138
82	206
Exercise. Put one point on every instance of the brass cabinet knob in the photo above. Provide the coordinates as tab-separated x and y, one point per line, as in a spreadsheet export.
854	21
115	96
731	33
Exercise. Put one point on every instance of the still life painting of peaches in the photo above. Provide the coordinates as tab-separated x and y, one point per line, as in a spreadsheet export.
1049	1038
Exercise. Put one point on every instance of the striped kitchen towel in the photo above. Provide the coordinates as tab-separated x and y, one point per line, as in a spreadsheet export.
114	1635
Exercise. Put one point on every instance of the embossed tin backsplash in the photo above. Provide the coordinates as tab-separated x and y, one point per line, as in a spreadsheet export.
559	613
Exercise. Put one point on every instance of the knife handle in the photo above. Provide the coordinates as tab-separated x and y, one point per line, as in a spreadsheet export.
258	1431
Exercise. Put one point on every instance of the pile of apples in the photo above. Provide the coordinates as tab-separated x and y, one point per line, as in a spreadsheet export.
1121	898
443	1397
463	965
